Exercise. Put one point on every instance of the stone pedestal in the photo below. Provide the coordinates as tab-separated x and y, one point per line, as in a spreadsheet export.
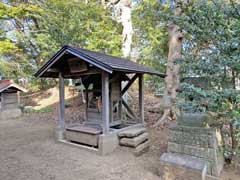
135	139
182	167
202	143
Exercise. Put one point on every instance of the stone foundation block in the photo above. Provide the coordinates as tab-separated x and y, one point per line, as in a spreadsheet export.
142	148
181	167
134	142
133	132
107	143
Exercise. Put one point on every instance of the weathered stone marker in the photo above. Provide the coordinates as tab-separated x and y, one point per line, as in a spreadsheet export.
187	140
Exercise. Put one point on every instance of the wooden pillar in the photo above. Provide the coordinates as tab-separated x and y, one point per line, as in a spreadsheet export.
141	97
2	101
105	102
61	120
86	110
110	106
18	97
120	102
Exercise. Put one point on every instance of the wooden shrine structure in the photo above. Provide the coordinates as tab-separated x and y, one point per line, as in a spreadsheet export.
10	99
102	75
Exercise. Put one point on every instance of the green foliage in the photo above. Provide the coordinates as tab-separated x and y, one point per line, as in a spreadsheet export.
32	31
210	50
150	35
7	47
223	107
80	24
211	41
44	110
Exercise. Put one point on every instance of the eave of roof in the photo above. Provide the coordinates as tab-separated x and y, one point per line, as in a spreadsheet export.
84	55
6	84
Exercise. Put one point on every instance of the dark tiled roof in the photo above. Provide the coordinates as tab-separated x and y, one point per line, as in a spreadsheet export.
6	84
105	62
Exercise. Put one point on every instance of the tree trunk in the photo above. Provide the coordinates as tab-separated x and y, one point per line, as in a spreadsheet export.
232	137
233	79
172	80
126	20
123	8
123	11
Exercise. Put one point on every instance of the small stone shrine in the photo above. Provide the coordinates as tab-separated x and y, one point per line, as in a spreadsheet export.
194	150
10	99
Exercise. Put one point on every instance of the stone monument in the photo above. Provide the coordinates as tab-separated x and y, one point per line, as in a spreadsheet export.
194	149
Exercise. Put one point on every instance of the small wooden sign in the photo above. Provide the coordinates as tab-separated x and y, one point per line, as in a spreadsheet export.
76	65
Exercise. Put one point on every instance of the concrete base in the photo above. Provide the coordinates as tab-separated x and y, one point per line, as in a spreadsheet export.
86	148
108	143
182	167
10	113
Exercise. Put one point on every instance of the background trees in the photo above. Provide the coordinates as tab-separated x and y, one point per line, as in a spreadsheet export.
31	31
211	55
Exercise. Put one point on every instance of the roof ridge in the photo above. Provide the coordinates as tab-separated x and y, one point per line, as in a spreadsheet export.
10	83
77	49
107	63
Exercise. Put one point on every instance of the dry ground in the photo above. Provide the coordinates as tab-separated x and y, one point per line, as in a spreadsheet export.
29	151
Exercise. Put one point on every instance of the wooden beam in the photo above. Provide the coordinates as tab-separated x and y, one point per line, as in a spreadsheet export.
129	84
61	120
141	97
105	102
89	72
129	109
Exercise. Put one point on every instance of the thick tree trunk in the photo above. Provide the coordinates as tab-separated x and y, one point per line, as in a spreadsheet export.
172	79
124	9
126	21
123	12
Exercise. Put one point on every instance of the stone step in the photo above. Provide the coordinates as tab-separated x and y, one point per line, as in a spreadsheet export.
133	132
182	167
141	148
135	141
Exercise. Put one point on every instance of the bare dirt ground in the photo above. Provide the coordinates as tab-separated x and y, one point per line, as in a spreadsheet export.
29	151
